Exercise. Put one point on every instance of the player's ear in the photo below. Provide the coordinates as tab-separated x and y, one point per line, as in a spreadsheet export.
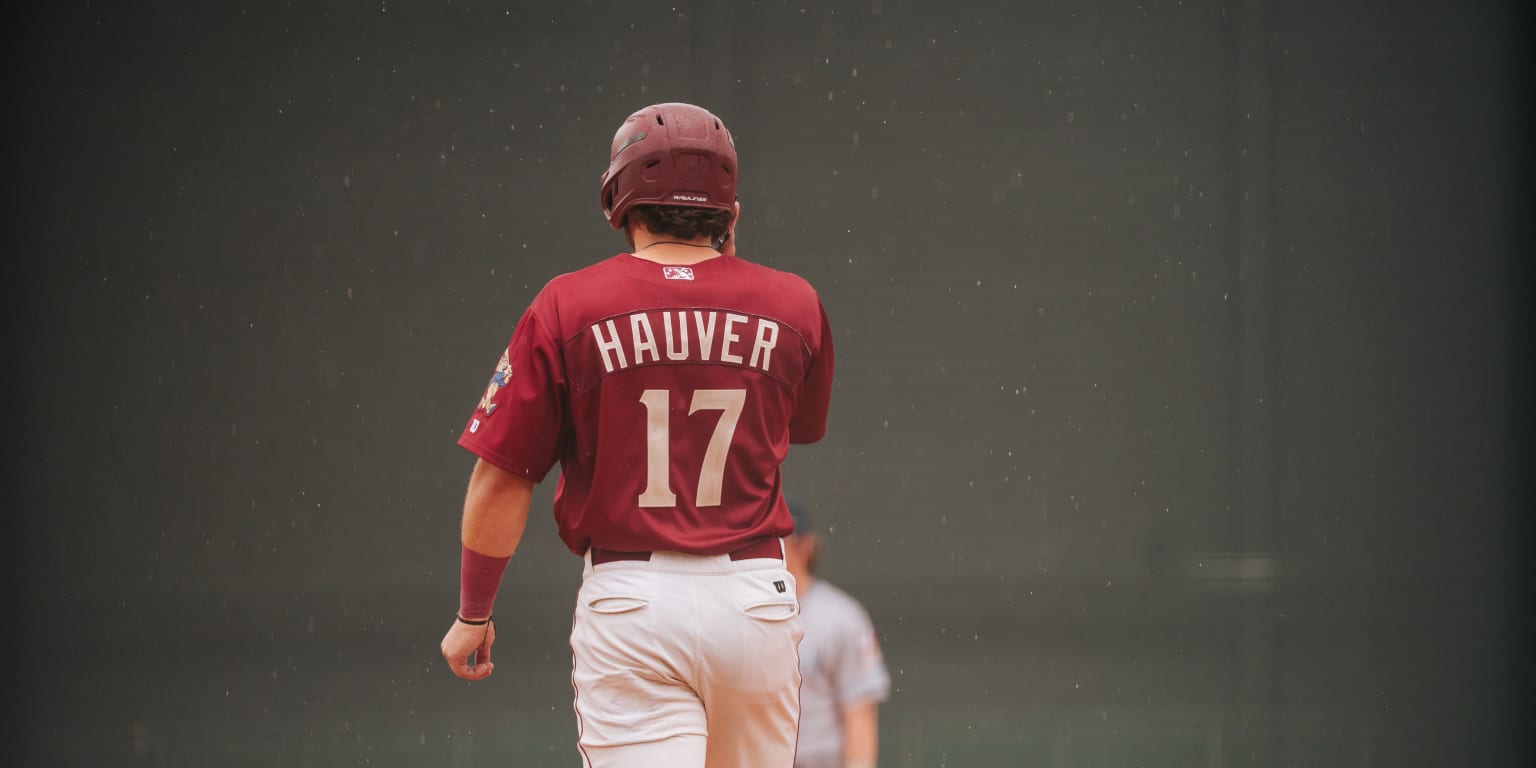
724	243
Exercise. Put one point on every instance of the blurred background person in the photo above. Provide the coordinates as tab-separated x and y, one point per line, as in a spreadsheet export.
844	674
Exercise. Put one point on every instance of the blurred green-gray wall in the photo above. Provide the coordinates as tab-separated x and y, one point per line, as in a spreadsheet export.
1176	400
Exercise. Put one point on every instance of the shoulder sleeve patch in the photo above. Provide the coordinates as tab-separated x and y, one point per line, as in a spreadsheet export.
499	379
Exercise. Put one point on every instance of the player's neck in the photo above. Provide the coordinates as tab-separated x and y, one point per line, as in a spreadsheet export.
664	249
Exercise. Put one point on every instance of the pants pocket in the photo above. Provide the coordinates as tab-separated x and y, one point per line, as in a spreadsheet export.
623	591
611	604
772	610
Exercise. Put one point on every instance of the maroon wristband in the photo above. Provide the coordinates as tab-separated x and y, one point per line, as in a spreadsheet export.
479	578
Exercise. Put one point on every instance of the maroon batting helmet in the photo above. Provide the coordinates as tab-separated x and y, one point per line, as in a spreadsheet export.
670	154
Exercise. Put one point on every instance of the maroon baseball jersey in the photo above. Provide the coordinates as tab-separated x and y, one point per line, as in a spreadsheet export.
669	395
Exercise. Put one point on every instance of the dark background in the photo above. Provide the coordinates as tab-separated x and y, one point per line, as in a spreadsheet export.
1180	400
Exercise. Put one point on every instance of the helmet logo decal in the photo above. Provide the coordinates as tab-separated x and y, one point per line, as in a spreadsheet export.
687	198
629	142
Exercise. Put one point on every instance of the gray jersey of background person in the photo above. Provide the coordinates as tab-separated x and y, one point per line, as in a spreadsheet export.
844	677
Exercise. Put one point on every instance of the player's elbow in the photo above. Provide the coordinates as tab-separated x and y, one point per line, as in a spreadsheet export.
807	435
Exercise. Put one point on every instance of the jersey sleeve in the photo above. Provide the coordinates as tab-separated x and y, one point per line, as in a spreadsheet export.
519	422
861	673
814	395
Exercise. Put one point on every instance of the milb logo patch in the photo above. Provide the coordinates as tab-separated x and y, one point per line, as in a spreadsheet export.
677	273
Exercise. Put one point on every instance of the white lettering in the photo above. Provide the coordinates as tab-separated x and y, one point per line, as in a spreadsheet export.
676	343
767	337
728	337
612	344
645	338
706	334
681	351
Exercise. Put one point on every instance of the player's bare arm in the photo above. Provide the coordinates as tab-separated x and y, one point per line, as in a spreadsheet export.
495	510
495	516
861	738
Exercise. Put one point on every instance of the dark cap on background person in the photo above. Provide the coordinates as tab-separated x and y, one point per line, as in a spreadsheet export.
802	548
800	513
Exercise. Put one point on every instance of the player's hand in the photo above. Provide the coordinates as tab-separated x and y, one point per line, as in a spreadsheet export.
467	648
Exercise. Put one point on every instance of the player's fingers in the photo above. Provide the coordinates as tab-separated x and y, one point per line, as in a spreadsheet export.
467	648
479	671
458	665
481	667
457	650
462	667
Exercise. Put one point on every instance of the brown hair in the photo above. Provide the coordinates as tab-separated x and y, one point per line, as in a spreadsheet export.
682	222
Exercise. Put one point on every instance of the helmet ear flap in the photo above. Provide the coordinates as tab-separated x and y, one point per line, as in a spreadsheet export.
609	200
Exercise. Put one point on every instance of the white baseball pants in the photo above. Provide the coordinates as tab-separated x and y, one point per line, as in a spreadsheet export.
687	661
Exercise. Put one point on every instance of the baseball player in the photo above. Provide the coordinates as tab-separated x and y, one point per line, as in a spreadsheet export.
844	674
668	382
